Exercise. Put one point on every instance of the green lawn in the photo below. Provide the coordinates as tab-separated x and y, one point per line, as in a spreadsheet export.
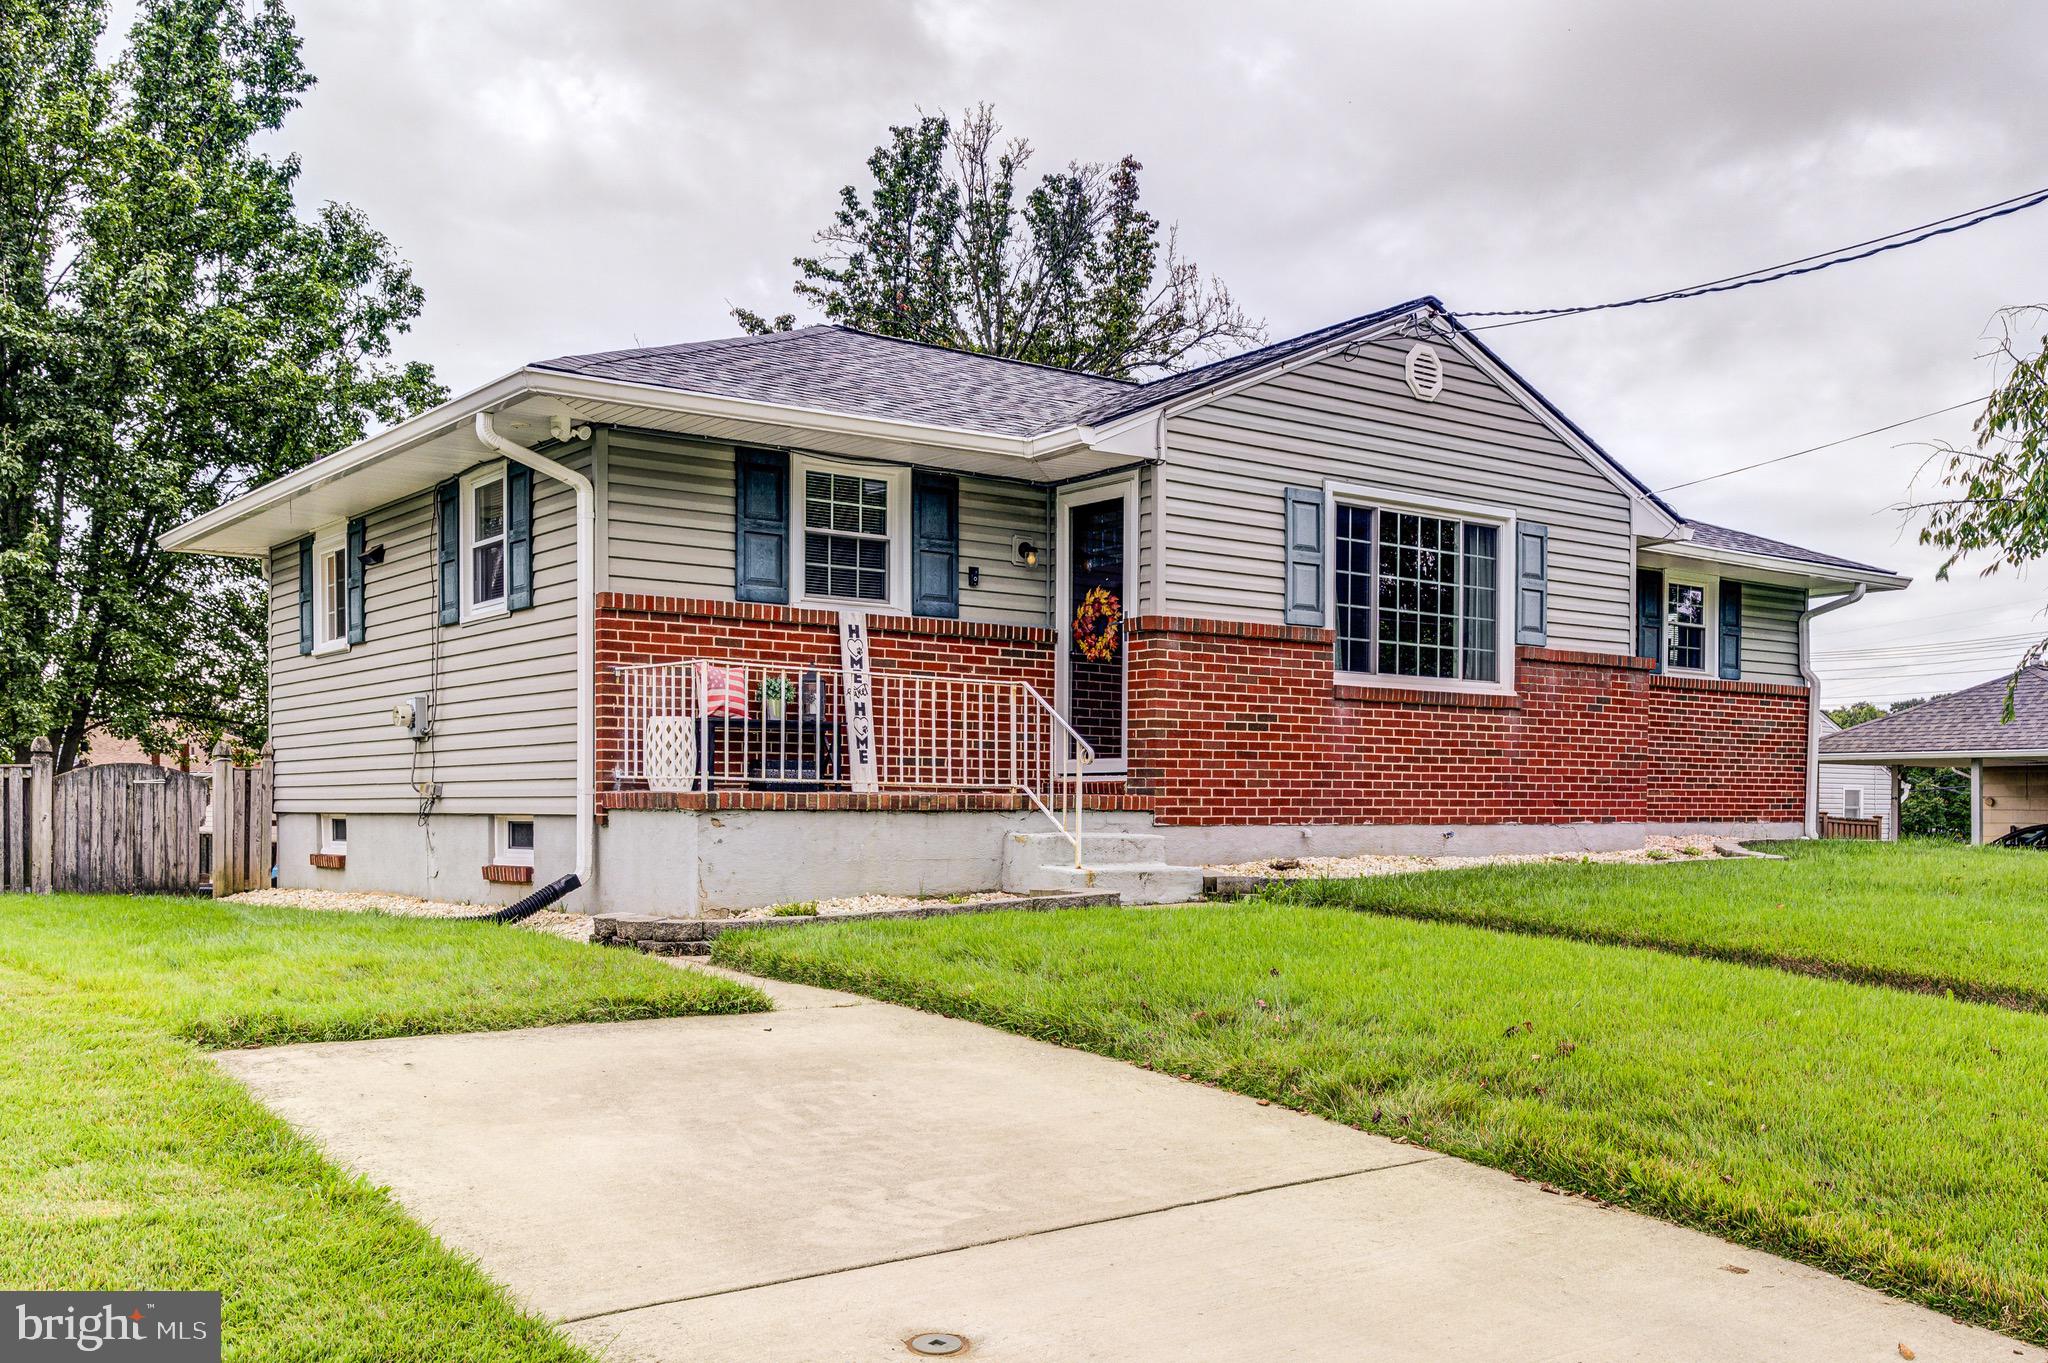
127	1160
1896	1138
1971	921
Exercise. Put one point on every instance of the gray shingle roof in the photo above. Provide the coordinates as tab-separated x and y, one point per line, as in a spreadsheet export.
845	370
839	369
1965	724
1742	542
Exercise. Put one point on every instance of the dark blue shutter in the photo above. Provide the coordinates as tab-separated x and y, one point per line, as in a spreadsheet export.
306	595
1532	584
762	551
1650	616
448	517
1731	631
518	537
357	543
934	544
1303	529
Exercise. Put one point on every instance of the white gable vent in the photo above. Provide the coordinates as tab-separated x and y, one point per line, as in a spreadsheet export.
1425	372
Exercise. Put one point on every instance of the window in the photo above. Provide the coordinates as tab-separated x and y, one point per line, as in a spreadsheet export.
515	842
1685	626
483	543
1852	803
1417	595
330	591
855	542
334	833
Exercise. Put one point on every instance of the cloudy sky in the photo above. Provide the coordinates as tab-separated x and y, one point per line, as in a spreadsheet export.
574	176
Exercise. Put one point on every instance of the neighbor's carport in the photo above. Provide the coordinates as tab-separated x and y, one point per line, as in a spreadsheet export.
1968	730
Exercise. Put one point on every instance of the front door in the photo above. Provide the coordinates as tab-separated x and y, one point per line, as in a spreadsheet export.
1094	564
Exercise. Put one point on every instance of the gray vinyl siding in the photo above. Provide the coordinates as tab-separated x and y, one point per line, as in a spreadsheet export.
1770	633
1351	419
992	516
669	513
505	709
670	517
1874	782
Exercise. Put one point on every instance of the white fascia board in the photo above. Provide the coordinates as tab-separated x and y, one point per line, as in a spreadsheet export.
1800	569
1925	759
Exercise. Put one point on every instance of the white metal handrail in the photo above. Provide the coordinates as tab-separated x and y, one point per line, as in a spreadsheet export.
704	723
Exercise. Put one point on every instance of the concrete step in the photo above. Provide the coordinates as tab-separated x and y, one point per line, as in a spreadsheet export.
1025	853
1135	882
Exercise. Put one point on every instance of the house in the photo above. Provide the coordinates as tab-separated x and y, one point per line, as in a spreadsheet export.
1966	730
1856	792
773	617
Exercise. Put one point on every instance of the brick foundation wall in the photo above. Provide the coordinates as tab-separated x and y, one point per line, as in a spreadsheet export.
1239	723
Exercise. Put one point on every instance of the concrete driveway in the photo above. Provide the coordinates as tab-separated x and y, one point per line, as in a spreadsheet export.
828	1181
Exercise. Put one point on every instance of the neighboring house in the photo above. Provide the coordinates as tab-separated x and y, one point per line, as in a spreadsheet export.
1362	589
1851	790
1966	730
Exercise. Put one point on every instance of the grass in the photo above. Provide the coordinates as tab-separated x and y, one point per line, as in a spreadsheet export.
127	1160
1894	1138
1929	916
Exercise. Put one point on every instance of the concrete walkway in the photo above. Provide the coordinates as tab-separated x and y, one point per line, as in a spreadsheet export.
825	1182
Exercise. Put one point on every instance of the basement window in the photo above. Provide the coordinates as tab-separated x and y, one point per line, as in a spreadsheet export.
334	834
514	841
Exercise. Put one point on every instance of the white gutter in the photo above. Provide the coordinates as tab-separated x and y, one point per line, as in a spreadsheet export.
1806	619
586	635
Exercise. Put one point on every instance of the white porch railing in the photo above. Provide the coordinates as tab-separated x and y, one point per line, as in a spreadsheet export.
706	725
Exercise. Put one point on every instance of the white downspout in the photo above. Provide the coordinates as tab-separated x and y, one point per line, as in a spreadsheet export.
1813	701
586	635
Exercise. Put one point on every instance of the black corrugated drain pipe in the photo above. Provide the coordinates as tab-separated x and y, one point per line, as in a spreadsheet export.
533	903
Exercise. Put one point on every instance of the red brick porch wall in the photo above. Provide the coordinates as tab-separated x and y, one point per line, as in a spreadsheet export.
1238	723
655	629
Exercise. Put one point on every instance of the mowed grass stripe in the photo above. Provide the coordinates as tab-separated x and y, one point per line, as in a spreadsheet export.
1930	917
1891	1138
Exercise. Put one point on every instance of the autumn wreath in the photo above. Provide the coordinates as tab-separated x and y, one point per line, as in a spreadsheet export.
1095	625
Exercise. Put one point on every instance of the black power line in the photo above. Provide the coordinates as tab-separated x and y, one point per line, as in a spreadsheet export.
1815	449
1767	274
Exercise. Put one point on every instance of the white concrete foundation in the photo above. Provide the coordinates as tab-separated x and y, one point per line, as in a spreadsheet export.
443	859
689	863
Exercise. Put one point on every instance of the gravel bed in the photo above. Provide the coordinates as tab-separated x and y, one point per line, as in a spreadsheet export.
574	927
1693	847
871	904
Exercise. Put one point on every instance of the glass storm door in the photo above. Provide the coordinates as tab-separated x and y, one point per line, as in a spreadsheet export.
1095	594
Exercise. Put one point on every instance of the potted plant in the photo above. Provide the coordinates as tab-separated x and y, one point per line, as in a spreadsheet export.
775	693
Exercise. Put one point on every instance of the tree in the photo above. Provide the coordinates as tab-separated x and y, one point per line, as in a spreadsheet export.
172	333
1999	501
944	249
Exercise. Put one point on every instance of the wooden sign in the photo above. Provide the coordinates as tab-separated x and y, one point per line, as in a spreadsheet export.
860	698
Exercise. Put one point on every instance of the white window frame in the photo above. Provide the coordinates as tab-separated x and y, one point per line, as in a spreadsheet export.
503	853
1381	499
329	844
467	542
330	601
1852	795
1710	624
897	476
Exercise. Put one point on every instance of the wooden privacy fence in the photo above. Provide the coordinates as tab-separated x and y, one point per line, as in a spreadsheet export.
1865	830
131	828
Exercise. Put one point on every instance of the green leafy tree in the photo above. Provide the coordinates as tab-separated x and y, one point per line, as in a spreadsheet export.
945	247
1997	507
173	332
